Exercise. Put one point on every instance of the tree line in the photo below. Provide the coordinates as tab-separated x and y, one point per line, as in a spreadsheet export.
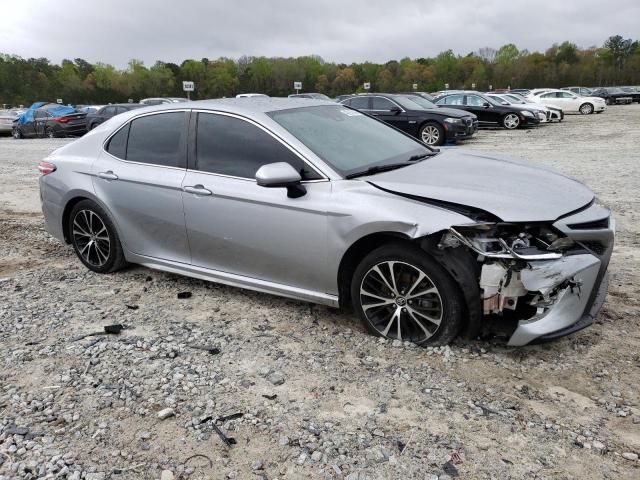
23	81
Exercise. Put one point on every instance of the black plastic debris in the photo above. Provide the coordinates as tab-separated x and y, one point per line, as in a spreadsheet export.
232	416
270	397
132	307
207	348
183	295
450	469
113	329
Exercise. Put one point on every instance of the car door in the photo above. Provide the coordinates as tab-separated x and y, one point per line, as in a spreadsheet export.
485	112
40	117
453	101
138	177
390	112
238	227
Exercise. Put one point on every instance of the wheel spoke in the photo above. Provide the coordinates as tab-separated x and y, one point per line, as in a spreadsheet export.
393	277
372	295
435	321
421	276
419	323
379	272
82	230
423	292
396	314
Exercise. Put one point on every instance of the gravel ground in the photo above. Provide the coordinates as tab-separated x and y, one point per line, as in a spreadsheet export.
302	391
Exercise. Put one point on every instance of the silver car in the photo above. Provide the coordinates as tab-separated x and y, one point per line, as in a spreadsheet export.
318	202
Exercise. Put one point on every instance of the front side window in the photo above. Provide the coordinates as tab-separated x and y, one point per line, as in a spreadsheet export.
451	100
231	146
109	111
379	103
476	101
347	140
361	103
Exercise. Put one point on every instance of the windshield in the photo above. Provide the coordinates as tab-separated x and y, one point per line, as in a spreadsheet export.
500	99
407	102
423	102
347	140
495	101
319	96
515	99
614	90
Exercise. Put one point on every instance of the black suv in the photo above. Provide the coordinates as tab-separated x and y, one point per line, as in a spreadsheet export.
434	126
613	95
488	110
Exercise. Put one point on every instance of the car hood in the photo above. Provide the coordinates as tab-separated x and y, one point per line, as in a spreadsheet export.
512	190
452	112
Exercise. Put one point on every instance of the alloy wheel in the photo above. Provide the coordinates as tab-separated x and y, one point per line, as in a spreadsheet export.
401	301
511	121
91	238
430	135
586	109
17	134
49	133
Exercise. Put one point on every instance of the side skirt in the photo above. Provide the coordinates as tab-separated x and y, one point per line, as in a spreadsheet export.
234	280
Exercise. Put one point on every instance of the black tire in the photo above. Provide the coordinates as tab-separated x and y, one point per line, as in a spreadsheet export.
17	133
409	262
49	132
432	134
92	126
586	109
82	217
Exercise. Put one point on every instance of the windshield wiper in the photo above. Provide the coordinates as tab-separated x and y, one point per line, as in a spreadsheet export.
422	156
376	169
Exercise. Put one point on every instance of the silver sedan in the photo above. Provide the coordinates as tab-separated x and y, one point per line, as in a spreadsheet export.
321	203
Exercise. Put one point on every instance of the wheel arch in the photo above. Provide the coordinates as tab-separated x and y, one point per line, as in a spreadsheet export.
72	200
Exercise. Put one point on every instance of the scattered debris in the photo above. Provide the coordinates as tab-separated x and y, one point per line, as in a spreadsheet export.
183	295
270	397
450	469
210	349
107	329
132	307
166	413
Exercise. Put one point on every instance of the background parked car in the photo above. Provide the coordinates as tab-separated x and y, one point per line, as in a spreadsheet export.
556	113
424	95
7	117
162	100
108	111
541	111
568	101
251	95
633	92
613	95
315	96
88	108
434	126
488	110
584	91
51	120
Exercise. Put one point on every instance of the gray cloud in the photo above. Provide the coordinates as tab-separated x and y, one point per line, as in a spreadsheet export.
115	31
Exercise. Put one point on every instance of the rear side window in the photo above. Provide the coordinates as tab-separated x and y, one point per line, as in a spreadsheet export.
361	103
230	146
157	139
379	103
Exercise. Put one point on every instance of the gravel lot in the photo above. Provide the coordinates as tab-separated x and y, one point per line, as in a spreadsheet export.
303	391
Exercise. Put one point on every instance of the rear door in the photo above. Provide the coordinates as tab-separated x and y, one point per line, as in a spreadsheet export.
238	227
478	105
139	179
41	117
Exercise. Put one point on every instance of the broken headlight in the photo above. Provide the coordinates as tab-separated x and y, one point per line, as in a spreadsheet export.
510	241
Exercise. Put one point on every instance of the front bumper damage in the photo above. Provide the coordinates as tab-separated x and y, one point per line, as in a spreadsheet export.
551	294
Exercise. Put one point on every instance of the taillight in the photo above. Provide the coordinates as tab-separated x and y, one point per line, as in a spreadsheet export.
45	168
62	119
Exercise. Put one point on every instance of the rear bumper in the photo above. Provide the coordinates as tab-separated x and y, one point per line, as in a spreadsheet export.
74	130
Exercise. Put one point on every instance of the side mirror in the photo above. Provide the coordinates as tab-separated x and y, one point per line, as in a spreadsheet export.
395	110
281	175
486	104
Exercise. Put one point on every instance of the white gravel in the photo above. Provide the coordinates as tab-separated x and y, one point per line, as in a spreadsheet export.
303	391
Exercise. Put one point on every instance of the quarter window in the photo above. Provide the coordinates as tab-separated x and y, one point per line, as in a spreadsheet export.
361	103
118	144
452	100
231	146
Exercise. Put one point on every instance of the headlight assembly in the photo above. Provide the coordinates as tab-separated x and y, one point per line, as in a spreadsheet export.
527	113
511	241
453	120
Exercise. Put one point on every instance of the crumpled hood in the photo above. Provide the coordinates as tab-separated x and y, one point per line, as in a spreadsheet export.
514	191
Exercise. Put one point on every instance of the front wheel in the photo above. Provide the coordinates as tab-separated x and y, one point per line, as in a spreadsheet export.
17	134
94	238
49	133
401	293
432	134
586	109
511	121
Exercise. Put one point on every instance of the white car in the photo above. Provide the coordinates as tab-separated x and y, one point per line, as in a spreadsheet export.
6	120
251	95
569	101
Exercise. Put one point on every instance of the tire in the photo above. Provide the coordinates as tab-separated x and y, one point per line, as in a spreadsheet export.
92	126
586	109
511	121
432	134
17	133
49	133
94	238
384	312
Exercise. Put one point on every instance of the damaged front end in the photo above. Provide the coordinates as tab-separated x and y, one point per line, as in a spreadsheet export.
551	277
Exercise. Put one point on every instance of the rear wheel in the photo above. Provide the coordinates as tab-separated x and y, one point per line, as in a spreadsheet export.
511	121
49	133
17	133
432	134
401	293
586	109
94	238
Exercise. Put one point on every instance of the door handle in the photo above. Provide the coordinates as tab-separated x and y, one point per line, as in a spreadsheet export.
108	175
197	190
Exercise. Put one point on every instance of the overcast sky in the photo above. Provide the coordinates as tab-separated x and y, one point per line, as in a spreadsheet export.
114	31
